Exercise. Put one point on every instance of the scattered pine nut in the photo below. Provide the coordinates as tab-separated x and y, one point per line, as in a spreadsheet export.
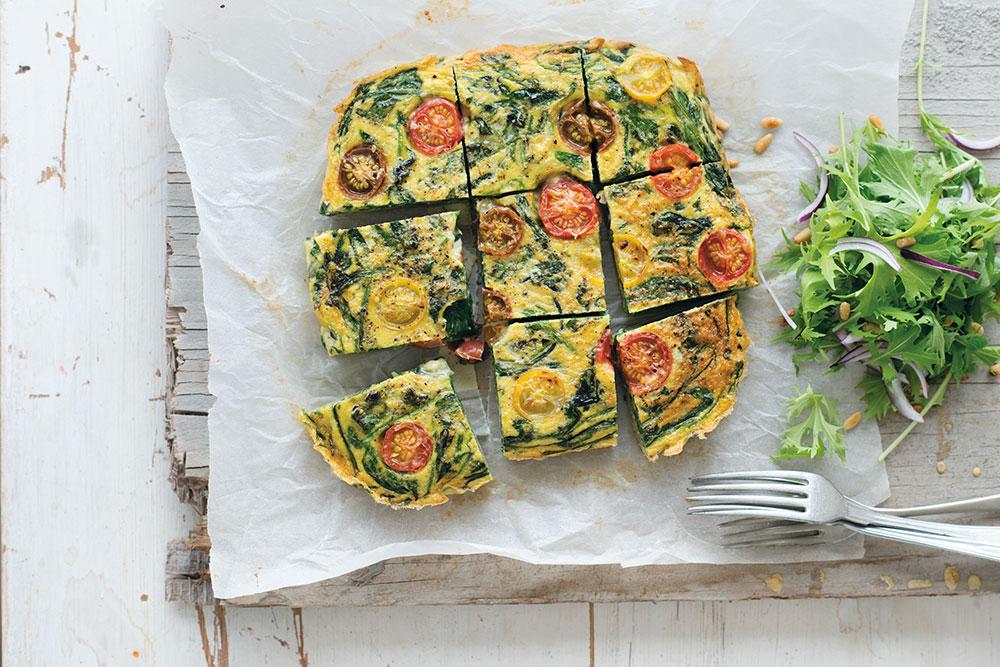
771	122
761	144
977	328
876	122
978	244
833	149
995	369
803	236
915	584
721	124
941	467
889	582
845	311
919	407
775	583
977	471
791	312
905	242
733	164
951	577
975	583
852	421
948	426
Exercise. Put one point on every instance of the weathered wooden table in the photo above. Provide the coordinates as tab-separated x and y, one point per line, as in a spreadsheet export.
963	68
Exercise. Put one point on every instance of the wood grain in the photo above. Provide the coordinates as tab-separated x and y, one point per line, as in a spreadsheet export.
960	87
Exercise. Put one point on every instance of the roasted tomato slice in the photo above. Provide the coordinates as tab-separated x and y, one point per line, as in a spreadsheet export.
538	392
493	331
428	344
645	78
632	258
435	126
500	231
645	361
406	447
496	305
567	208
470	349
581	127
678	170
602	353
362	171
724	256
399	303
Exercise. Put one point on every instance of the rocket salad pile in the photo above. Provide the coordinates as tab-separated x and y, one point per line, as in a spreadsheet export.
897	271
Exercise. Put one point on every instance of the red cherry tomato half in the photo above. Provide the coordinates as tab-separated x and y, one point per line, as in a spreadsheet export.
567	208
645	361
435	126
406	447
470	349
602	353
724	256
678	170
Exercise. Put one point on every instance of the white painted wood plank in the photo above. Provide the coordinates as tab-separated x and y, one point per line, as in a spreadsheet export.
914	631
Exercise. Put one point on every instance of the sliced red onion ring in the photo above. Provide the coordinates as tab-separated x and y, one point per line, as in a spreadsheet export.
774	297
924	259
922	377
470	349
899	400
968	194
972	144
857	353
869	246
846	339
824	179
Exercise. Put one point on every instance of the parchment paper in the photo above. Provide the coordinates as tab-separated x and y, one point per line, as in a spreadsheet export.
251	88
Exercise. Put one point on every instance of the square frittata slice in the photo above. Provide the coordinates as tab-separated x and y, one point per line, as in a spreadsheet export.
533	269
555	387
406	441
514	97
669	248
398	140
641	101
681	374
389	284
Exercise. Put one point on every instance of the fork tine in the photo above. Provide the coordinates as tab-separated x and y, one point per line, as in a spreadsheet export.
780	476
742	510
803	540
749	487
780	530
760	523
744	499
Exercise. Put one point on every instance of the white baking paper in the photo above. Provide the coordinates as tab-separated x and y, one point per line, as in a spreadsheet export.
251	89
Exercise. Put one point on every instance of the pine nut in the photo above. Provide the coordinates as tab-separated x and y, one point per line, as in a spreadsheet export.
995	369
977	328
833	149
845	311
852	421
761	144
941	467
977	471
803	236
733	164
771	122
721	124
905	242
876	122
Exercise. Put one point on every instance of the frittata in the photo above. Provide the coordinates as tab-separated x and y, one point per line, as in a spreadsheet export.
678	241
555	387
398	141
532	265
641	100
389	284
406	441
681	374
514	97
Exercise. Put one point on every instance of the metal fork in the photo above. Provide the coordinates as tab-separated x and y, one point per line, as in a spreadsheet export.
809	498
768	532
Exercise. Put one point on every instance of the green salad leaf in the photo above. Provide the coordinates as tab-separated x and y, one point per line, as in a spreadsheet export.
818	434
919	322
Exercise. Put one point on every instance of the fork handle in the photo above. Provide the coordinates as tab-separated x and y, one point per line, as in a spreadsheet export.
983	504
986	536
922	539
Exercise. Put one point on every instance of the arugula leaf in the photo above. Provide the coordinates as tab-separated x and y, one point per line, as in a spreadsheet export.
818	434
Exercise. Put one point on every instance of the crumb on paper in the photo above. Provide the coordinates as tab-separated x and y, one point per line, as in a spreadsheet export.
919	584
889	582
975	583
977	471
948	426
832	149
951	577
733	164
941	467
775	582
